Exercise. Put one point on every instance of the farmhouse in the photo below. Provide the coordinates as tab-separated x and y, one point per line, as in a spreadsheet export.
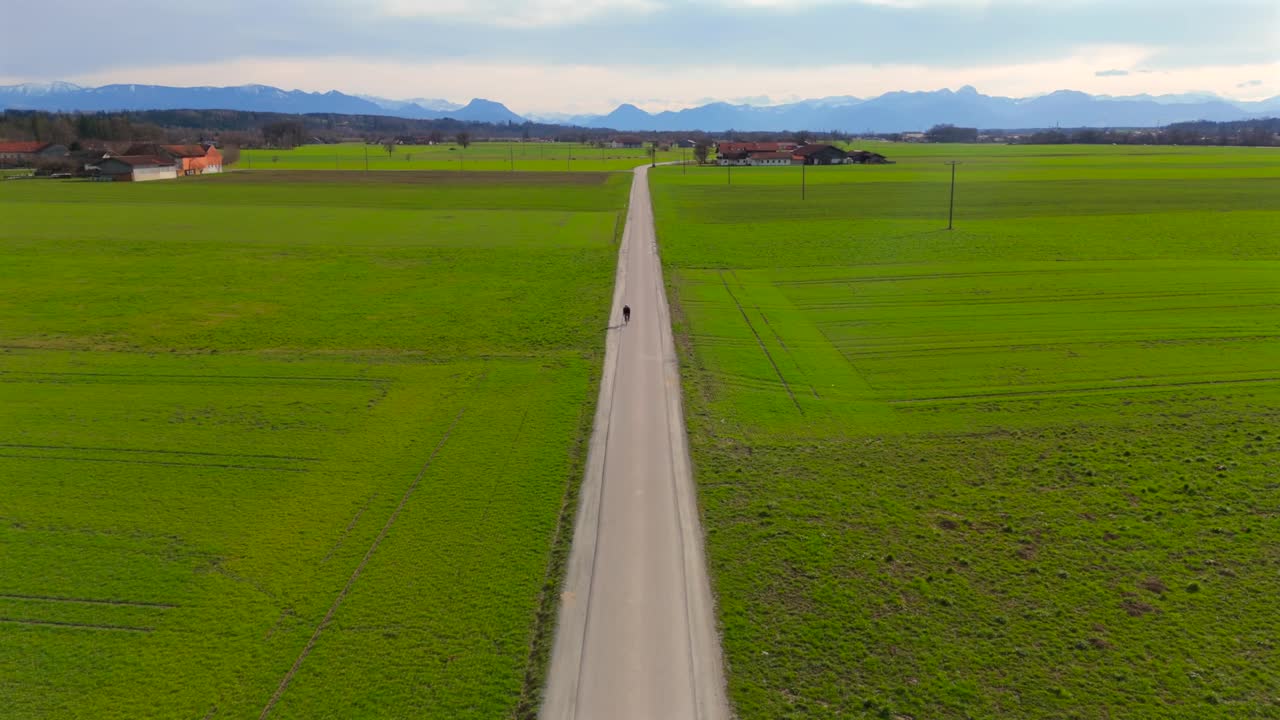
134	168
769	158
731	148
187	159
630	143
30	151
814	154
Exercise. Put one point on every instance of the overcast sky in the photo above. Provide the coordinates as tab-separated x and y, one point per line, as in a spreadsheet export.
590	55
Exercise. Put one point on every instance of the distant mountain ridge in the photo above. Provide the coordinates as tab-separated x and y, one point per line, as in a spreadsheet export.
906	111
60	96
890	112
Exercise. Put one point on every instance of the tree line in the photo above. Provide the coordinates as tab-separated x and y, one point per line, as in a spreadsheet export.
1259	132
1253	133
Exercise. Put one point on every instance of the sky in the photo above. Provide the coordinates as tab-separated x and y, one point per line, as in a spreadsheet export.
581	56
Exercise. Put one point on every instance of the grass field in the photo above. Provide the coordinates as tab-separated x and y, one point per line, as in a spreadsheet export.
486	156
297	443
1025	468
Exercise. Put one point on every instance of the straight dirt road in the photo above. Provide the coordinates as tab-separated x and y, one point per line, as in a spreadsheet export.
637	635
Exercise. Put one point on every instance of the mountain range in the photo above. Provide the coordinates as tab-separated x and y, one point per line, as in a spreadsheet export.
891	112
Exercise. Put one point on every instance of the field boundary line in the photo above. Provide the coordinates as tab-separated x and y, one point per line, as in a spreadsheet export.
355	575
763	348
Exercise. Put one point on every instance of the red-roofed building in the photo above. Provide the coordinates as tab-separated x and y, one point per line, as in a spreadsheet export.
31	150
733	148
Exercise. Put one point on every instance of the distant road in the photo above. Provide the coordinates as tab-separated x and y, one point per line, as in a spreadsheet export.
636	637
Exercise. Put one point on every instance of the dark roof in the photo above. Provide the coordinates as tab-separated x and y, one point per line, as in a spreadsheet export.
806	150
174	151
141	160
32	146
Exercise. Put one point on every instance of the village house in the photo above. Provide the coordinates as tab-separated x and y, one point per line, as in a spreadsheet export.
628	143
31	151
133	168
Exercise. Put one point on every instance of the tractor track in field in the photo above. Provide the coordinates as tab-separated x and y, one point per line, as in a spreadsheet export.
164	463
777	371
78	626
86	601
1017	394
355	575
351	525
193	453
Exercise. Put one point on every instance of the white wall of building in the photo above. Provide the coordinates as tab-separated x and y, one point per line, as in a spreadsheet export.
164	172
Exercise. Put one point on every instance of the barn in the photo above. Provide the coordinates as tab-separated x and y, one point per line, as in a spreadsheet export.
631	143
195	159
814	154
134	168
188	159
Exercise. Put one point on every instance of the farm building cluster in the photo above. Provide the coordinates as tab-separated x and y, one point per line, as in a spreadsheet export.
141	163
788	153
138	163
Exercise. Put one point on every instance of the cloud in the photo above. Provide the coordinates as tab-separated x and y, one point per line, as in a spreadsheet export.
592	88
675	39
524	14
1250	84
1111	73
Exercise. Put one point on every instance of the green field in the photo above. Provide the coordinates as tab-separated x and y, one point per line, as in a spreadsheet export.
487	156
1025	468
300	432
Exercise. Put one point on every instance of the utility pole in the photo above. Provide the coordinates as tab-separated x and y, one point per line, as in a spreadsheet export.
366	158
729	173
511	155
802	181
684	161
951	206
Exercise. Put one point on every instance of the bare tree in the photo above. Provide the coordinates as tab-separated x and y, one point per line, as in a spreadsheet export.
701	150
390	147
464	139
802	137
230	155
436	137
